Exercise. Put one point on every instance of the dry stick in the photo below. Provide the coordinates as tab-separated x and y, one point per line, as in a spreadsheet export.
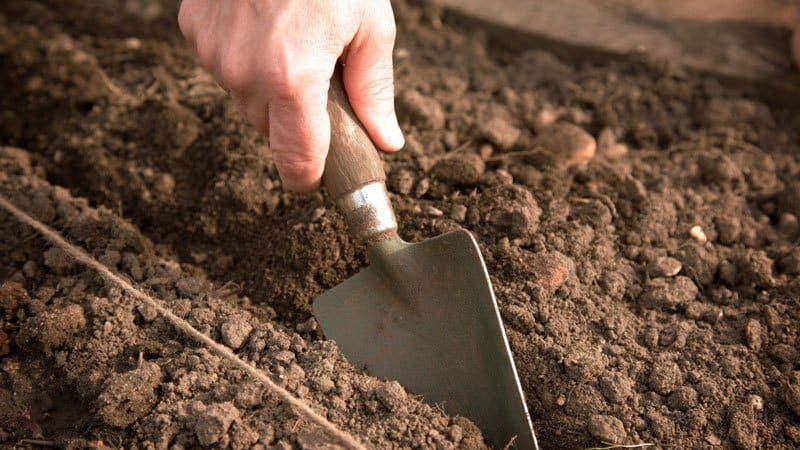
81	255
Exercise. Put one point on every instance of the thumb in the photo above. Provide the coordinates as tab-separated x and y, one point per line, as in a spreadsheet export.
369	81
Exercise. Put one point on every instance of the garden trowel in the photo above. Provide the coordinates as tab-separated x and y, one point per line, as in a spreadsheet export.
423	313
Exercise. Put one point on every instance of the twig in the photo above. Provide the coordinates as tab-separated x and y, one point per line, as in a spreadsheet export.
83	257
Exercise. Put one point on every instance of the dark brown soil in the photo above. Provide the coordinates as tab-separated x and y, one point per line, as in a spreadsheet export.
639	221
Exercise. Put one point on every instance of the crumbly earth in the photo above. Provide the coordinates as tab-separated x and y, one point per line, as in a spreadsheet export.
639	222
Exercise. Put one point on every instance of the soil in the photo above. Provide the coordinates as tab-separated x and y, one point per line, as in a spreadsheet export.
639	222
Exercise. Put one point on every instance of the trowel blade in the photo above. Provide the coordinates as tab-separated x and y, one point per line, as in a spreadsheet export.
426	315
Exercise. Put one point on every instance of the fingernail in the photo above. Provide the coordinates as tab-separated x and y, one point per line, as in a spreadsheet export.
394	133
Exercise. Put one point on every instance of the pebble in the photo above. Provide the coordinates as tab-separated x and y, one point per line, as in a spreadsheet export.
29	269
567	144
697	233
458	213
545	117
432	211
615	152
422	187
752	333
664	266
787	224
235	331
391	394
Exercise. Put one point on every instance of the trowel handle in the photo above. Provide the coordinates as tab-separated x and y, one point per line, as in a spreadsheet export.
353	160
354	174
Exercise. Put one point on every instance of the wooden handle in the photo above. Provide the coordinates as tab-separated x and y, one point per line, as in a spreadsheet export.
353	160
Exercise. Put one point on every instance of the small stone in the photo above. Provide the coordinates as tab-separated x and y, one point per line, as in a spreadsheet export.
712	439
212	423
317	214
486	150
29	269
787	224
606	428
752	333
432	211
664	266
545	117
697	233
164	184
391	395
561	400
422	187
235	331
566	145
615	152
458	213
500	132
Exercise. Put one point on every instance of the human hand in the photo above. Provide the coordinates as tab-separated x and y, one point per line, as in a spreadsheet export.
276	58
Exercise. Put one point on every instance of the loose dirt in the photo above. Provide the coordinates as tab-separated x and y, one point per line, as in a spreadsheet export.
639	221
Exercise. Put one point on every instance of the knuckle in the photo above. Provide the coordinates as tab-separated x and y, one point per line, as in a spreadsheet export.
235	72
298	170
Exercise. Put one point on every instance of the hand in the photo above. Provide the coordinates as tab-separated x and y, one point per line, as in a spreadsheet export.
276	58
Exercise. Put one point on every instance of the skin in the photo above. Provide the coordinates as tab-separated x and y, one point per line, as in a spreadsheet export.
279	77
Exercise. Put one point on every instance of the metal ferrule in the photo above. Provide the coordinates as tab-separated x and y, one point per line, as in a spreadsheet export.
368	213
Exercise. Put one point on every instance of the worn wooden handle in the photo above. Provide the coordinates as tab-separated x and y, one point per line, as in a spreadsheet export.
353	160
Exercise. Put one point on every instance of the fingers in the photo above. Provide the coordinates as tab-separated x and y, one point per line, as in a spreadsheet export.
299	133
369	80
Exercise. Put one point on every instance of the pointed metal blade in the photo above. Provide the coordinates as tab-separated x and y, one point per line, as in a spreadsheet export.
426	315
